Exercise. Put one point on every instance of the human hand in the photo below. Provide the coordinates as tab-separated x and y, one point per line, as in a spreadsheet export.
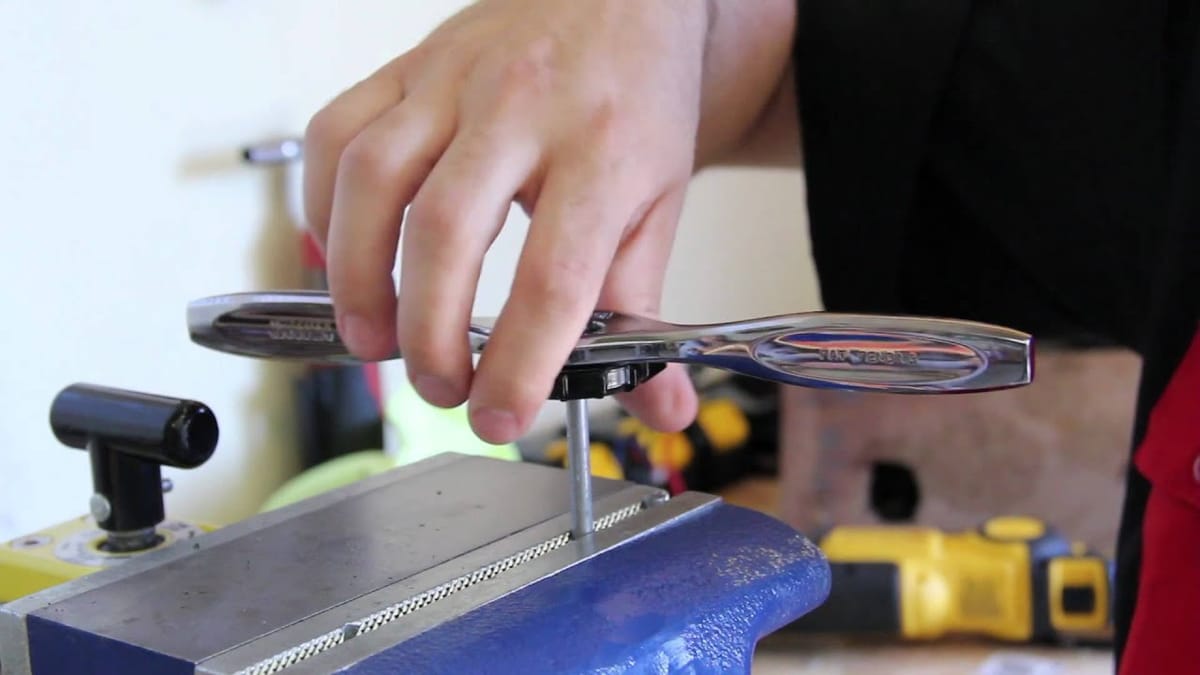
586	113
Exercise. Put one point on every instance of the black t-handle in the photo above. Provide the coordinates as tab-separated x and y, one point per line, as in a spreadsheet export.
130	436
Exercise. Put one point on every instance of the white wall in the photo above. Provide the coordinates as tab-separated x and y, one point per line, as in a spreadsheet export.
121	199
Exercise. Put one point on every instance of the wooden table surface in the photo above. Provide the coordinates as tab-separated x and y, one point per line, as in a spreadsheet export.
783	654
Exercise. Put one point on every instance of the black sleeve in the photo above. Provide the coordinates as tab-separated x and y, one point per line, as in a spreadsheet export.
986	159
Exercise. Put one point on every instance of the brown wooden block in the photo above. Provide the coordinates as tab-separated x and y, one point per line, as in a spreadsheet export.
1056	449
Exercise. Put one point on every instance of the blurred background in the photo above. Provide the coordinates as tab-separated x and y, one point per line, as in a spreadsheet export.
125	196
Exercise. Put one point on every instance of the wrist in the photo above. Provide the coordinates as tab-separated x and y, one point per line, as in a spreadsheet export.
747	54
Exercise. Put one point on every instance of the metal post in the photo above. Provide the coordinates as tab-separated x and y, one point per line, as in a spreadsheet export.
579	464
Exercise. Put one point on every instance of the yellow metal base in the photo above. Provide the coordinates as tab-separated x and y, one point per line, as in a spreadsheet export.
67	551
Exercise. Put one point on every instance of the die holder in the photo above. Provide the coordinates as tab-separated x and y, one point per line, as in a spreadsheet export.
130	436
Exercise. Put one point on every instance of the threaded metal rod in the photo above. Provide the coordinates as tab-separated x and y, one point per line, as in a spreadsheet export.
579	464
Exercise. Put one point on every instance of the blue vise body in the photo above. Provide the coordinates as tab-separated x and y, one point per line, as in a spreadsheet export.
455	564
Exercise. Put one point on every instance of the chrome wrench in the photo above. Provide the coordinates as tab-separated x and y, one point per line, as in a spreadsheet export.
616	352
859	352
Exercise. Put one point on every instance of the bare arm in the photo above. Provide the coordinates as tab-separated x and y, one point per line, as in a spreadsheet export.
773	140
749	115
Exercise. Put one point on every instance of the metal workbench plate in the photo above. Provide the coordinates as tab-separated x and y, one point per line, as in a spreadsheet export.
253	578
426	600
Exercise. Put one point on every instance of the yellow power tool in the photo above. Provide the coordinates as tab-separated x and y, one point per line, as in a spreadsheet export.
1012	579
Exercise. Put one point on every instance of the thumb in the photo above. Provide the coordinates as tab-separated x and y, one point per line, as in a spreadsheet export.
668	401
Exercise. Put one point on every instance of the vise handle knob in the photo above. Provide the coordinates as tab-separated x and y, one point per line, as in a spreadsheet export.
130	436
167	431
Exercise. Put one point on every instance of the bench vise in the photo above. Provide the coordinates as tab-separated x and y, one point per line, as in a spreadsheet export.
456	564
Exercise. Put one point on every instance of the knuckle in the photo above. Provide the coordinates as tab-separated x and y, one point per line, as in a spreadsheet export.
434	213
431	209
324	128
607	130
367	158
578	268
559	287
530	72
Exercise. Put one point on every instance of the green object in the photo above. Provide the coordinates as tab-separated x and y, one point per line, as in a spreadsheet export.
329	475
420	430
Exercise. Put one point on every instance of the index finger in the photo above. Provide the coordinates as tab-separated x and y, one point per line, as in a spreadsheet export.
331	130
574	234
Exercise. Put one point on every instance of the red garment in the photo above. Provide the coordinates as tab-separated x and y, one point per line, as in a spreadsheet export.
1165	635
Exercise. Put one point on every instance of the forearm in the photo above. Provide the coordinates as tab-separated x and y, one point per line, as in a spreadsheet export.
748	109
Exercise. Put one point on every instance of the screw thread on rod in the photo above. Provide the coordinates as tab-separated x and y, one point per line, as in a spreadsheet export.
579	465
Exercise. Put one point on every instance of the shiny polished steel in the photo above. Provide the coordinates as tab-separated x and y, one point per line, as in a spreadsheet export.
99	507
579	463
862	352
134	540
274	151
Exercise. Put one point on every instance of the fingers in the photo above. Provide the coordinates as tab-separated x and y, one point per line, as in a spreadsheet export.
452	222
668	401
332	129
379	173
576	227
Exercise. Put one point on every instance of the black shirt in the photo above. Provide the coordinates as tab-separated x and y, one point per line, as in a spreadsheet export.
1010	158
1018	162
